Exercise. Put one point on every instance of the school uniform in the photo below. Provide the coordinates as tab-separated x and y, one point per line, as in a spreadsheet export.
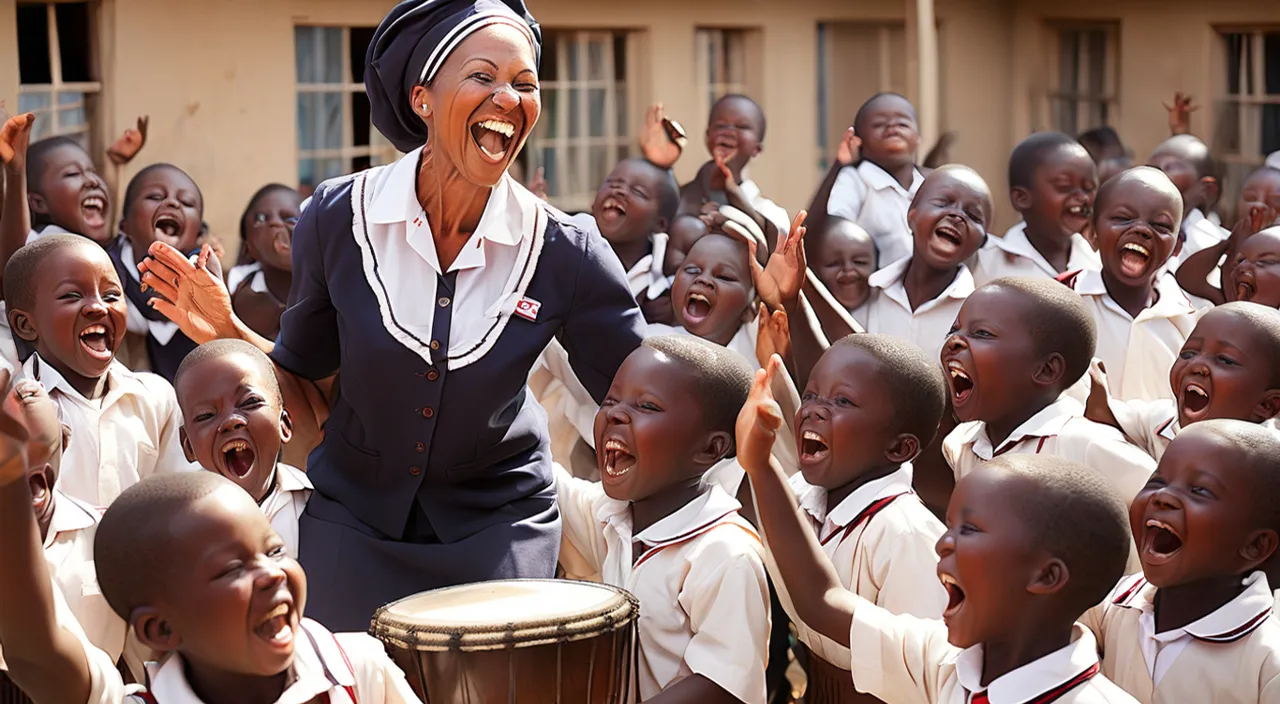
881	541
771	211
869	196
889	310
1151	425
1058	429
128	434
245	272
1230	656
68	551
286	501
1198	233
699	575
1013	255
1138	351
907	660
341	668
165	344
433	470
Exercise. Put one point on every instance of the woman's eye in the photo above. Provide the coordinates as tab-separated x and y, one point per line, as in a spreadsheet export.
527	87
482	77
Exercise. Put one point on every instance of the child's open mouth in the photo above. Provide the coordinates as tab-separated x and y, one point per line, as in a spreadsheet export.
618	459
94	211
813	447
494	137
724	148
961	383
277	627
96	340
1078	215
168	228
612	209
1195	399
1134	259
955	595
1160	542
697	308
1245	290
238	457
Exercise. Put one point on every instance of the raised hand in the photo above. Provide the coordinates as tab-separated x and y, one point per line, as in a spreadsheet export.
15	137
1180	113
130	143
778	282
14	437
759	420
773	335
850	149
662	140
190	295
1097	407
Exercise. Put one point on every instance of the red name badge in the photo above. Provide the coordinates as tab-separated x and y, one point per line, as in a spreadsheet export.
528	308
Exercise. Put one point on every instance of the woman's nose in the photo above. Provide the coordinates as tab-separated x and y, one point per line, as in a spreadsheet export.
506	98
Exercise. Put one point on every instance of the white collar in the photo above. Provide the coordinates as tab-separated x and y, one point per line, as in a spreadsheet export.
1171	300
1230	622
319	666
118	378
700	514
813	499
877	178
1192	219
1055	673
1171	427
69	516
1015	242
891	279
1048	422
749	189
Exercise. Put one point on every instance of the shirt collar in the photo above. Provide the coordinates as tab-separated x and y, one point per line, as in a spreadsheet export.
813	499
891	280
1048	422
879	179
1171	301
1191	219
749	189
1055	673
69	516
118	378
691	519
1015	242
1230	622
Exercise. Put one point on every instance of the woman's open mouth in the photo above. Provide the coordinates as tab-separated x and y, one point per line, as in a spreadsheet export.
697	308
1135	259
618	459
238	457
493	137
97	341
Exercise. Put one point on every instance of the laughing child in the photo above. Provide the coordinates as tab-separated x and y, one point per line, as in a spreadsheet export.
844	258
65	300
259	285
1188	163
655	527
1016	346
917	298
871	404
1141	313
1051	183
1247	255
234	424
713	295
65	192
1016	582
1197	625
874	178
1228	368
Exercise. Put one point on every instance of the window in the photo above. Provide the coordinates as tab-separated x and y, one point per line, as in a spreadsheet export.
1249	124
585	127
1084	71
726	62
56	69
855	61
335	130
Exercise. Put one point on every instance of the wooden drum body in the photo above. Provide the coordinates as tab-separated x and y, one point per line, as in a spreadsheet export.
515	641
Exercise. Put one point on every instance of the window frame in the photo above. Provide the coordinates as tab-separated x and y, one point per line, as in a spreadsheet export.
1082	103
1248	121
91	91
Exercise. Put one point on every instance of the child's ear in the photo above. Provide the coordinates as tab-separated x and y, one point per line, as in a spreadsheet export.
22	324
286	426
1260	548
1269	406
187	449
715	448
154	631
1050	578
37	204
905	447
1020	196
1051	370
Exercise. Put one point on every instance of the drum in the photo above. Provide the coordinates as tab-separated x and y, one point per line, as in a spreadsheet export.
524	641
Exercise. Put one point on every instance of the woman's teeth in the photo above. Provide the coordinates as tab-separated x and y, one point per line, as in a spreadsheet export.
493	137
506	129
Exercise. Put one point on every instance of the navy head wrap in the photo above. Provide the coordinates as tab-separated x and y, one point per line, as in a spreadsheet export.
412	44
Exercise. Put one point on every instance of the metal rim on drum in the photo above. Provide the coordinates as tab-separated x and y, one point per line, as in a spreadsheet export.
391	627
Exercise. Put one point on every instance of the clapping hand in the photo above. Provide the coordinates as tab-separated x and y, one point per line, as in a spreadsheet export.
189	294
759	420
778	282
130	143
1180	113
663	140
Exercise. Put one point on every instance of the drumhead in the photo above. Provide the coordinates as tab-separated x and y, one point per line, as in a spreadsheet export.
504	613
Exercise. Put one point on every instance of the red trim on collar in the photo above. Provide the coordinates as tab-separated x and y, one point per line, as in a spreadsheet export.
865	515
690	535
1010	446
1069	278
1052	695
1238	633
1126	597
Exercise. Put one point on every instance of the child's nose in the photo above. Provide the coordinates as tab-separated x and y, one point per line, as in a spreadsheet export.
233	422
945	545
94	307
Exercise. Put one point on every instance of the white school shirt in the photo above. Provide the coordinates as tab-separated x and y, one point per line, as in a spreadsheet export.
869	196
699	575
1199	233
1013	255
1151	425
240	272
883	552
903	659
283	506
771	211
1058	429
68	551
117	440
889	310
327	665
1230	656
402	266
1138	352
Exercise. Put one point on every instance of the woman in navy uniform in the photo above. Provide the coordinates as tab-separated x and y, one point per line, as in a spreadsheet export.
433	284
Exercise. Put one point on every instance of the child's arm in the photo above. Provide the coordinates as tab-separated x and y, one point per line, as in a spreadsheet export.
1193	273
581	536
15	219
846	155
1180	113
1098	407
662	140
733	194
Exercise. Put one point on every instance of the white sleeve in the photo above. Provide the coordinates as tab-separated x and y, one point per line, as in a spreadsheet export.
847	194
1120	461
897	658
1140	421
378	679
906	564
726	595
581	532
168	440
105	683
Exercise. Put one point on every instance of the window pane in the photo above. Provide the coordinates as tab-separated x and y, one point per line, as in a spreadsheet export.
1271	113
75	42
319	54
34	102
307	108
361	37
596	103
599	166
547	160
595	60
70	98
307	173
1235	45
546	126
330	121
34	65
575	112
620	109
361	119
71	120
575	61
1069	63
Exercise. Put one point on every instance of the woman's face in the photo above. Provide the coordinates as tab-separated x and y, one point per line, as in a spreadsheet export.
483	103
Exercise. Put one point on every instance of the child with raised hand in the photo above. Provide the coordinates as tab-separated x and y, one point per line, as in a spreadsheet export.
874	177
234	424
1229	367
1251	248
1197	624
1142	315
1191	167
655	527
259	285
1052	181
15	218
1015	581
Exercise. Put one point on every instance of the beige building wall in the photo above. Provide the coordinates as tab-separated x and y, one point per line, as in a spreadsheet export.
218	79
